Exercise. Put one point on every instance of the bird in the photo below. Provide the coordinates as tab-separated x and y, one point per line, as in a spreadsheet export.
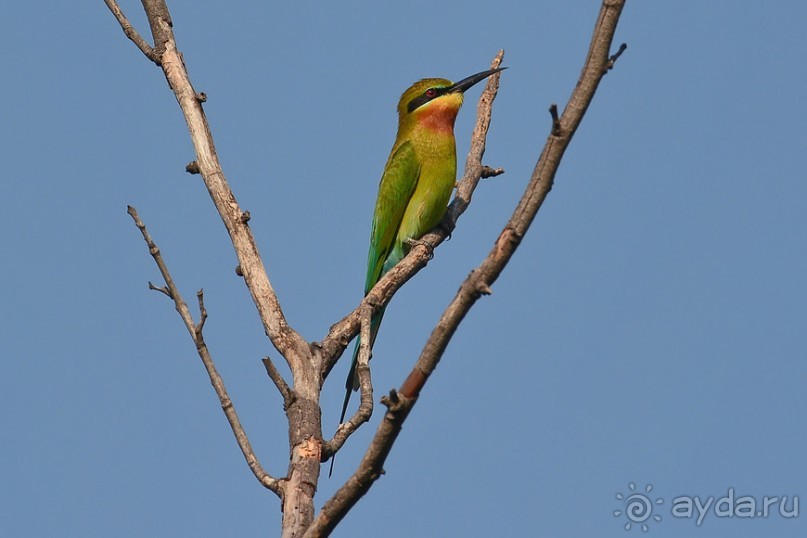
415	186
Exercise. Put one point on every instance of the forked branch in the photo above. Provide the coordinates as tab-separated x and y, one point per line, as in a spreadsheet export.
165	54
365	410
195	330
131	33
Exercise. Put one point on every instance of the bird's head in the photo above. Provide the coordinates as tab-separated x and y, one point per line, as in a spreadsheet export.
434	102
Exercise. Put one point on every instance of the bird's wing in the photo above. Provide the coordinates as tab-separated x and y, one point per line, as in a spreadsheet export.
397	185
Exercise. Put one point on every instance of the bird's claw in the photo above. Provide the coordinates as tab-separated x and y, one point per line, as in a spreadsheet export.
409	242
444	226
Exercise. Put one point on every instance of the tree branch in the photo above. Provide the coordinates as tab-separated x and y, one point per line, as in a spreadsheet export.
131	33
479	281
195	330
280	383
290	344
365	410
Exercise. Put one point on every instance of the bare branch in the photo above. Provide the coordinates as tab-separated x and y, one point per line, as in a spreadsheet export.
488	172
215	379
160	23
553	111
473	162
370	469
280	383
365	410
479	281
290	344
161	289
131	33
200	296
614	57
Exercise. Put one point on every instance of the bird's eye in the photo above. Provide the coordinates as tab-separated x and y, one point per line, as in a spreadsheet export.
431	92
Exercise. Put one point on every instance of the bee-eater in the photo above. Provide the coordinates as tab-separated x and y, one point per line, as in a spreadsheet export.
416	184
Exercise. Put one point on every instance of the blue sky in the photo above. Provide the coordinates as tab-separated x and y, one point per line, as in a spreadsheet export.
650	329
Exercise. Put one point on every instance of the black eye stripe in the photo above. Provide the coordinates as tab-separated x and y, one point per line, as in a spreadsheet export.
425	97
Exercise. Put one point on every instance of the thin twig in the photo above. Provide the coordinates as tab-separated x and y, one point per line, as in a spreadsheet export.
200	297
195	330
161	289
365	410
614	57
473	162
488	172
282	387
131	33
553	111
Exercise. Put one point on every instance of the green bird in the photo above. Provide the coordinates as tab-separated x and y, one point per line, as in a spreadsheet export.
416	184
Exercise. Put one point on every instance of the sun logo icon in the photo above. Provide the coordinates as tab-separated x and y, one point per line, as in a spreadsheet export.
638	507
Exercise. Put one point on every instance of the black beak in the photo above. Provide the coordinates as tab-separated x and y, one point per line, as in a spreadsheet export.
464	84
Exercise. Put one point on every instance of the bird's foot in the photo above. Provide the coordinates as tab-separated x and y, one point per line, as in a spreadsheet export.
410	242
